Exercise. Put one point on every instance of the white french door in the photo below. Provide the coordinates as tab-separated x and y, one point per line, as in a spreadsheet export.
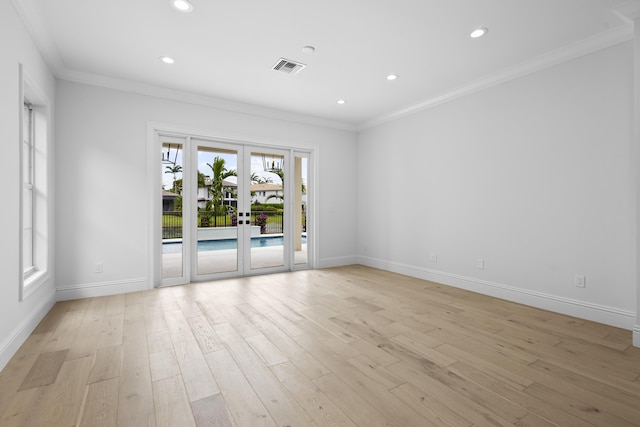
230	209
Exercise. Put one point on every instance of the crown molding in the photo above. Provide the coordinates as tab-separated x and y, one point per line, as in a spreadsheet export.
584	47
629	11
196	99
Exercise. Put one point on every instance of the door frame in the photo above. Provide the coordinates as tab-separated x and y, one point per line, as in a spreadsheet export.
154	182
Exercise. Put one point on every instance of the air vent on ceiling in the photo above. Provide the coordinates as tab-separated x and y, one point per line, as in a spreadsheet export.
287	66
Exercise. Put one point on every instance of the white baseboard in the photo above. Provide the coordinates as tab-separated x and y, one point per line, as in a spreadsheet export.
100	289
636	335
12	343
571	307
337	262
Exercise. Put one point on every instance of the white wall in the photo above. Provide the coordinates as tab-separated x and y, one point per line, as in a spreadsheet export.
534	176
635	155
101	180
18	318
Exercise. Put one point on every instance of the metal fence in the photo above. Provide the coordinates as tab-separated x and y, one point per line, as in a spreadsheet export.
270	222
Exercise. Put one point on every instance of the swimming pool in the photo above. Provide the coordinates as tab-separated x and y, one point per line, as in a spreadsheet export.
218	245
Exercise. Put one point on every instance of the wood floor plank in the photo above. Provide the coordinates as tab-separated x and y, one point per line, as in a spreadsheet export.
101	406
515	395
204	334
115	304
425	349
163	364
134	298
83	346
172	403
378	373
133	312
488	368
211	312
452	399
245	406
159	341
379	356
429	406
65	333
324	319
264	348
111	330
361	412
14	373
591	412
135	396
108	364
199	382
21	405
45	370
211	411
304	361
63	399
283	407
375	394
316	403
622	403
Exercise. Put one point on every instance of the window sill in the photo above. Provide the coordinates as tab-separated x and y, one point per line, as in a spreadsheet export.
32	283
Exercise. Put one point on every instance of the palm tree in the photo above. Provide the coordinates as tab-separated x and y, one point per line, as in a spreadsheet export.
219	173
280	173
175	169
201	180
257	179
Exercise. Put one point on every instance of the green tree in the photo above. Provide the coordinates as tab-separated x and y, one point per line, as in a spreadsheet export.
201	180
280	174
175	170
219	174
257	179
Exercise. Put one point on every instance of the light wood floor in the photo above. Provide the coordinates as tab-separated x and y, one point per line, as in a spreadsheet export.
345	346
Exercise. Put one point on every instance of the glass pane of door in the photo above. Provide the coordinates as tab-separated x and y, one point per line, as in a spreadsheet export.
172	218
300	208
217	215
268	233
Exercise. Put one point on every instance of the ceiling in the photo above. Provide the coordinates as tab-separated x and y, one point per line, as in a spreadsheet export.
225	50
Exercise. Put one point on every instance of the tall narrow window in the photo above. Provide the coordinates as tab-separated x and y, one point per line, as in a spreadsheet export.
34	181
28	175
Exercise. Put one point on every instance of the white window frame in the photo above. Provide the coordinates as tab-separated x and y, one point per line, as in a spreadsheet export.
36	180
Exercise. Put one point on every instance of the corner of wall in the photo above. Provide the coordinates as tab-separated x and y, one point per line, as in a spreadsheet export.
636	336
12	343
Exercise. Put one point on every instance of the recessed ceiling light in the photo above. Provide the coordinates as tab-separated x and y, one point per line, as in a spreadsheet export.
341	101
181	5
167	60
308	49
392	76
478	32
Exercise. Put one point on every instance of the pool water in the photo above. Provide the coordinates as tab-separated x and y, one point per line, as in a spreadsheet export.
218	245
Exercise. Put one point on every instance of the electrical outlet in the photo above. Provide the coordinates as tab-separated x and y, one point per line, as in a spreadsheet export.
433	257
99	267
580	280
480	264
